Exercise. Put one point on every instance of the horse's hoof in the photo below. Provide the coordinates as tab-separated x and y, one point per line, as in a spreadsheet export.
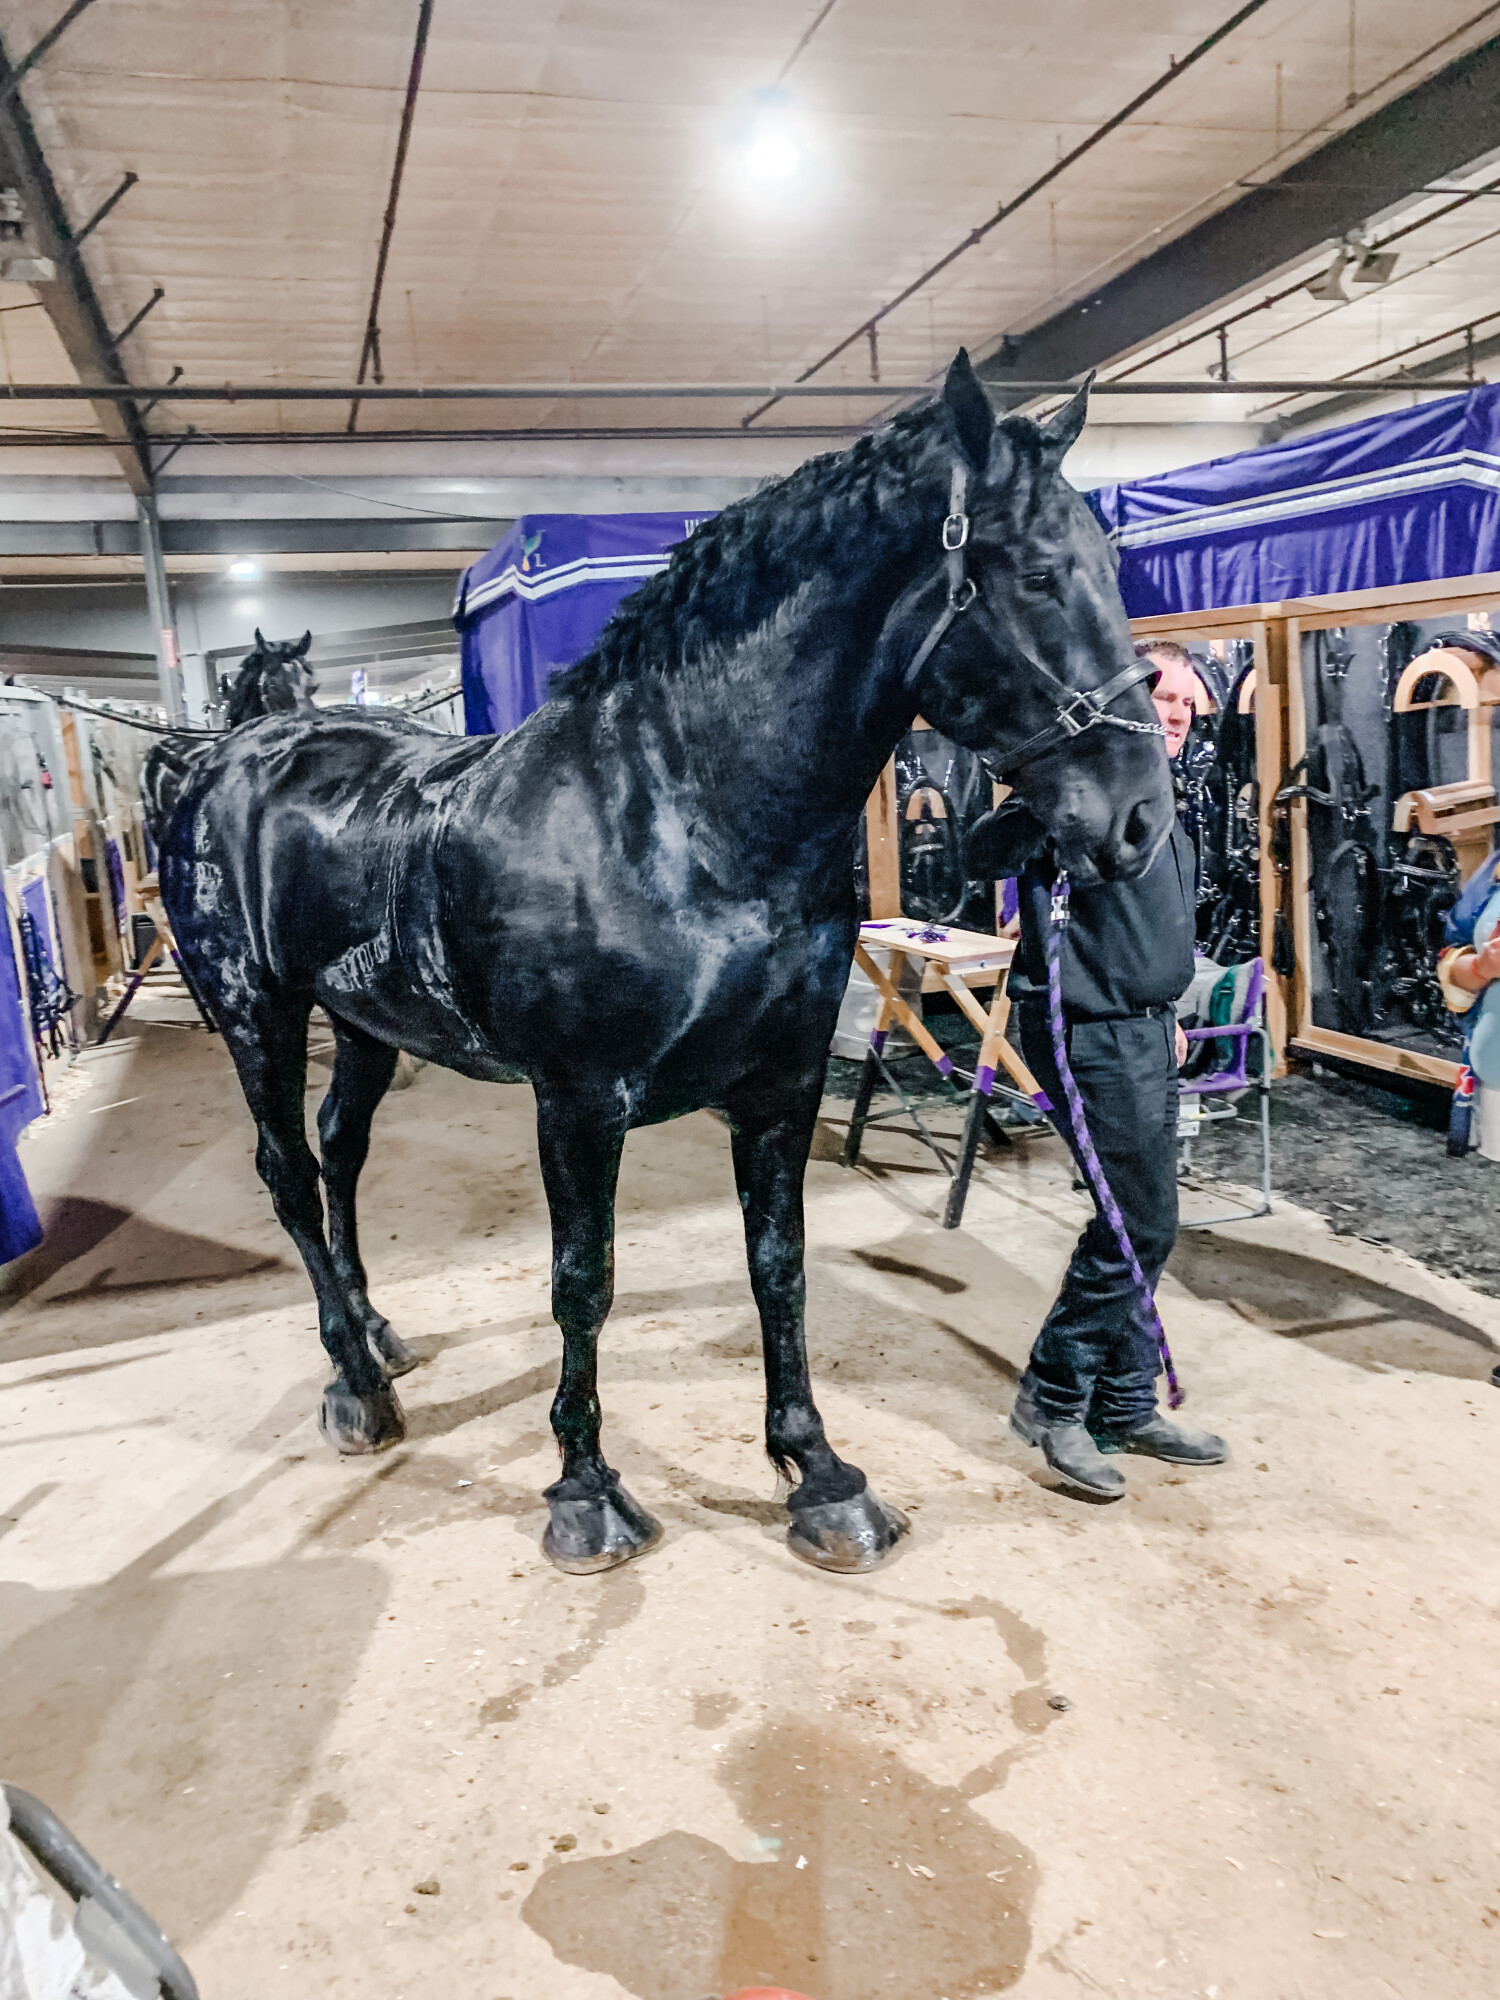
845	1535
391	1351
599	1531
356	1424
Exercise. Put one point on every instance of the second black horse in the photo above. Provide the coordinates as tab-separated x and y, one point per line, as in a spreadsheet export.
668	836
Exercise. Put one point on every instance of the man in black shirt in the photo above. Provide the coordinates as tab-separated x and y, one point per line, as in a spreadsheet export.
1127	956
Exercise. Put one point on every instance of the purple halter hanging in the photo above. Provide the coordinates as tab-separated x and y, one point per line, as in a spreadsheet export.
1109	1208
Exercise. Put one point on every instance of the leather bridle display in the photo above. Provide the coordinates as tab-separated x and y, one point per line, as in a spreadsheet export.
1077	709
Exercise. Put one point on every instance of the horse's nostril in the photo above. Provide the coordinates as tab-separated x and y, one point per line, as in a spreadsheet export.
1137	830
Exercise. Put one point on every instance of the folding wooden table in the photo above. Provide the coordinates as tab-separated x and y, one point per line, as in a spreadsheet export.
953	957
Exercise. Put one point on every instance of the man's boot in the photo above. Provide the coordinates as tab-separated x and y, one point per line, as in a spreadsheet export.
1159	1437
1067	1448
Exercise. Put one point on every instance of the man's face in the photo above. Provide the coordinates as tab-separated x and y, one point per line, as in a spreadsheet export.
1173	695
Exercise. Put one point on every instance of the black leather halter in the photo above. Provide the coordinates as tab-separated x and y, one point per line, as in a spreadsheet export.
1077	709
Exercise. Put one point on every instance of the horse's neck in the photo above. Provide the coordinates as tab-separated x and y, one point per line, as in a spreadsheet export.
782	738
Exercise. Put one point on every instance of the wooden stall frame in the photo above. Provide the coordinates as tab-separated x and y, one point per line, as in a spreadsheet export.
1458	596
883	848
1262	625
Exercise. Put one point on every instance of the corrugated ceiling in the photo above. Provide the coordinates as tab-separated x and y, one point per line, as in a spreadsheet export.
576	207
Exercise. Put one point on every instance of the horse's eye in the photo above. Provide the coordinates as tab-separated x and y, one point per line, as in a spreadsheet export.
1039	579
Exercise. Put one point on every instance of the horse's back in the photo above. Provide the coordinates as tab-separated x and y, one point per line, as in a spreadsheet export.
283	839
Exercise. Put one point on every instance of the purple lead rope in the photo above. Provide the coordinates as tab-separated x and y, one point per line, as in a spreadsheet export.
1109	1208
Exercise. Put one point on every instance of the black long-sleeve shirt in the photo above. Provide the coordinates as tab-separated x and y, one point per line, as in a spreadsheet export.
1128	946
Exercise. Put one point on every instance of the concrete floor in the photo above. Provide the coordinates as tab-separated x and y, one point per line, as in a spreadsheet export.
344	1732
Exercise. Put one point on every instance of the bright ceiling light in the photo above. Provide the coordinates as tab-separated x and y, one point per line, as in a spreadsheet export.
771	156
243	570
772	152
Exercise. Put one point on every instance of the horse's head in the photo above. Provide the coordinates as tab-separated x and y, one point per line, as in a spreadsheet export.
1037	623
273	680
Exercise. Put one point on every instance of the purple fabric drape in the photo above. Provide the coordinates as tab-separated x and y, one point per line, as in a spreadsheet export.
539	600
20	1102
1402	498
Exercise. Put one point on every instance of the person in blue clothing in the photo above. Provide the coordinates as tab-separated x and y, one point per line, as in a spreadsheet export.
1468	969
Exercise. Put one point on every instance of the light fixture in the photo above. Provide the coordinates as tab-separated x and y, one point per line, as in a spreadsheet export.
1329	284
1355	261
243	570
772	152
1374	267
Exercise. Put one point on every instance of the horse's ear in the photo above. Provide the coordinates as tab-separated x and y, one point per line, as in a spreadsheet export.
304	645
1061	433
970	410
260	644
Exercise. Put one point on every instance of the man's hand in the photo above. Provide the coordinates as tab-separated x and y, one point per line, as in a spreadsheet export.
1475	970
1182	1042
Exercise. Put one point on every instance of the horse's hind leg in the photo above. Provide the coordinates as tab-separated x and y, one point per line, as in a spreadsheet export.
838	1522
360	1412
594	1524
362	1072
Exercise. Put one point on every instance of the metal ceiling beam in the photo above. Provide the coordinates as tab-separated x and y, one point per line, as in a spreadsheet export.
662	392
34	55
1433	131
1421	372
251	537
71	301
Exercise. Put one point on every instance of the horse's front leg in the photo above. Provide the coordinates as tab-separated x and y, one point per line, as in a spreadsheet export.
595	1524
838	1522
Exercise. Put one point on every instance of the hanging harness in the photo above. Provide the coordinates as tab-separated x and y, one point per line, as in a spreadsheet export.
1077	710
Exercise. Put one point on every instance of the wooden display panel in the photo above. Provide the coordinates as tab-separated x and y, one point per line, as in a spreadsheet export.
1266	630
1452	598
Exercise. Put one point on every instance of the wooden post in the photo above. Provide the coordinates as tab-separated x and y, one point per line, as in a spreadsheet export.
883	841
1269	639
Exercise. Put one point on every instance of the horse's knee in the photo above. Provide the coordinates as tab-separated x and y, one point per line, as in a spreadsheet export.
291	1175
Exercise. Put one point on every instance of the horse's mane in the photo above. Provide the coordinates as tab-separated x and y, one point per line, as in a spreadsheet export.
731	574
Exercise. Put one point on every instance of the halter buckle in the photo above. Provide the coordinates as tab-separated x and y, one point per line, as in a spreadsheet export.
963	594
955	532
1067	720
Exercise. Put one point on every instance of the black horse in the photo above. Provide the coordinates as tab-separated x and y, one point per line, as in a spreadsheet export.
641	900
273	680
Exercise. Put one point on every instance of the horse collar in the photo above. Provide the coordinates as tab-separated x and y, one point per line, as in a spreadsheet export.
1077	709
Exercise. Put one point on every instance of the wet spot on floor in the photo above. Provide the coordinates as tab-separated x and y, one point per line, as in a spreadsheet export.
324	1814
1025	1646
504	1707
882	1886
709	1710
618	1597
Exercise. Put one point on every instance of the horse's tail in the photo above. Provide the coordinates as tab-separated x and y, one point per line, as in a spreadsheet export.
162	775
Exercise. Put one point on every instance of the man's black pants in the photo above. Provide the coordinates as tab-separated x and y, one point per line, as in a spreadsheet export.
1096	1355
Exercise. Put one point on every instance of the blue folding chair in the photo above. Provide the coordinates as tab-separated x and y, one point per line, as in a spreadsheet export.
1217	1093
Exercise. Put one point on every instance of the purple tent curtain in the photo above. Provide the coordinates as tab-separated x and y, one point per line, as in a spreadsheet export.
20	1102
1402	498
539	600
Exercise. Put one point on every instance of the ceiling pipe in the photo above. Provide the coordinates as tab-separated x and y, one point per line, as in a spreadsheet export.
665	392
370	352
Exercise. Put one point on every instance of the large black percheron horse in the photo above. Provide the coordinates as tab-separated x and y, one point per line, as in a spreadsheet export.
641	900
